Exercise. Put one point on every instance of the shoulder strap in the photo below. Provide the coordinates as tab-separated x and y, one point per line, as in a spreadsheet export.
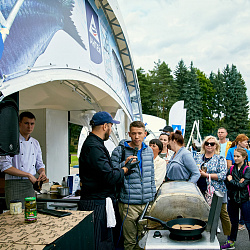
244	170
231	169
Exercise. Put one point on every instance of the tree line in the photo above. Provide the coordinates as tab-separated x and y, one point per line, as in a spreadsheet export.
217	100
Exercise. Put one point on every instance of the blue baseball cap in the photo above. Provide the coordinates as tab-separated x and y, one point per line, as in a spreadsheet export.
102	117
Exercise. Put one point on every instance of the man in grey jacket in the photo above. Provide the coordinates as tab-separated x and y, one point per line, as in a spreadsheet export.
139	187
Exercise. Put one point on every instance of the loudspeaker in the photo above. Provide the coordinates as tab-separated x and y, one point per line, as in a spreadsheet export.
9	127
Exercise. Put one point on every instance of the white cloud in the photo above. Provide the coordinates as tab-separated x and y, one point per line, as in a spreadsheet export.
211	33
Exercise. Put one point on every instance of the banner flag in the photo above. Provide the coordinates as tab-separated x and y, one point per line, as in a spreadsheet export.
177	117
93	34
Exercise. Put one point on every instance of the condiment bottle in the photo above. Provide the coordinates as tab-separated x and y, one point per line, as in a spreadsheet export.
30	210
15	207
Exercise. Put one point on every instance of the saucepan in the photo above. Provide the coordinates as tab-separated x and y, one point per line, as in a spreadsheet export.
63	191
181	221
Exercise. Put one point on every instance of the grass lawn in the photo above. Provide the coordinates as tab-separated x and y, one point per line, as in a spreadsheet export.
74	160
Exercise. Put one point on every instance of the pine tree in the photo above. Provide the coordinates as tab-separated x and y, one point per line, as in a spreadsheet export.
190	93
219	97
236	103
147	99
164	89
181	79
208	94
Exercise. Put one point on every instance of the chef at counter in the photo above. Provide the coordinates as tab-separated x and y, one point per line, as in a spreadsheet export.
20	170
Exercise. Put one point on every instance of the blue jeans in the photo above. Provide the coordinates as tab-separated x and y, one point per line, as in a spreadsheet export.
233	211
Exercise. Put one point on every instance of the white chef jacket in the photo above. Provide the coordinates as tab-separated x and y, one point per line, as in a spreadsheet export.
28	160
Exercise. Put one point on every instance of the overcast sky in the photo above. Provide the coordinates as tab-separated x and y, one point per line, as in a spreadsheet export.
211	33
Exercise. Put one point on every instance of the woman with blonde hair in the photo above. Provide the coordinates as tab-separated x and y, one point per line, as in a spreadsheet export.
241	141
213	166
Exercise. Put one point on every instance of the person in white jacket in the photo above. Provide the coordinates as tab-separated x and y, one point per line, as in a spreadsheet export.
20	170
159	163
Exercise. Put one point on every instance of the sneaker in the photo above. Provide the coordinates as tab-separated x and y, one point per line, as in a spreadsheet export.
228	245
241	227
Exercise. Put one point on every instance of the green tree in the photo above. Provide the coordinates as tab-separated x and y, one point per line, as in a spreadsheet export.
74	133
208	94
219	97
181	79
236	103
190	93
164	89
147	99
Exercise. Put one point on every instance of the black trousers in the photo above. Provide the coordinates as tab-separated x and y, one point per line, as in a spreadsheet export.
233	211
103	235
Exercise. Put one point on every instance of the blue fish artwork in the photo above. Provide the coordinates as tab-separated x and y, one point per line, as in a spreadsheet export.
3	31
1	45
34	26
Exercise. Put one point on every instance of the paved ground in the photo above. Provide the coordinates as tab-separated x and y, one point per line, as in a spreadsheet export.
242	242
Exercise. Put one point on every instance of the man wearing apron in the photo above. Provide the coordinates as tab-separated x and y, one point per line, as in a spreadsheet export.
20	170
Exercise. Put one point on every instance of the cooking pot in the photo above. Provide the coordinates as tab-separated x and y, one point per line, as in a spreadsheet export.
63	191
181	221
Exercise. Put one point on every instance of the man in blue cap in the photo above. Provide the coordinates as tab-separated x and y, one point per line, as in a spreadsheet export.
99	178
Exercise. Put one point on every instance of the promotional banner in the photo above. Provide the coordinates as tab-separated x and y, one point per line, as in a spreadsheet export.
72	34
177	117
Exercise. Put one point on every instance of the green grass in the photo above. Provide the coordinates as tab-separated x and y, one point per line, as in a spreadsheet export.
74	160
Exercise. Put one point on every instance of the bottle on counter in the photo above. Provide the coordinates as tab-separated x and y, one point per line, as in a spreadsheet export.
64	184
30	210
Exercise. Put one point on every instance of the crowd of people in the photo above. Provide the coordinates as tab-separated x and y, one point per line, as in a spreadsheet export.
126	182
146	167
135	171
225	164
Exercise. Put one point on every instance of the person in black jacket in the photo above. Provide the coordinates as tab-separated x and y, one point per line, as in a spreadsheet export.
237	182
99	178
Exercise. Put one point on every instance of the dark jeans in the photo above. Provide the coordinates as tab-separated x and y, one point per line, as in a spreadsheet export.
233	211
103	235
241	219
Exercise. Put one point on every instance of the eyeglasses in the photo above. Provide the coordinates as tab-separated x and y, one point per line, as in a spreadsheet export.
209	143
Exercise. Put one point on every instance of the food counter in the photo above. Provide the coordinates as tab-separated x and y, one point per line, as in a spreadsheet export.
56	198
70	232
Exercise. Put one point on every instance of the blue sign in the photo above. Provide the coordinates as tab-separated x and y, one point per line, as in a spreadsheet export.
94	34
176	127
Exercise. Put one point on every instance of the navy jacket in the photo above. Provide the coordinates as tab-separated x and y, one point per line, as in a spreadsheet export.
98	176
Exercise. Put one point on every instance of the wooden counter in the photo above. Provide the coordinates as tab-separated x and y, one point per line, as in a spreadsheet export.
70	232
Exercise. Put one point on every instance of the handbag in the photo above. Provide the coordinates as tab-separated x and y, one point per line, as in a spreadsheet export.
209	192
202	182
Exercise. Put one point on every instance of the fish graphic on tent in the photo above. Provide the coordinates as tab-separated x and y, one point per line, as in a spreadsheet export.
33	23
3	31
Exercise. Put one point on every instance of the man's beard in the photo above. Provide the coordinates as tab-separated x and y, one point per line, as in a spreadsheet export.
106	136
